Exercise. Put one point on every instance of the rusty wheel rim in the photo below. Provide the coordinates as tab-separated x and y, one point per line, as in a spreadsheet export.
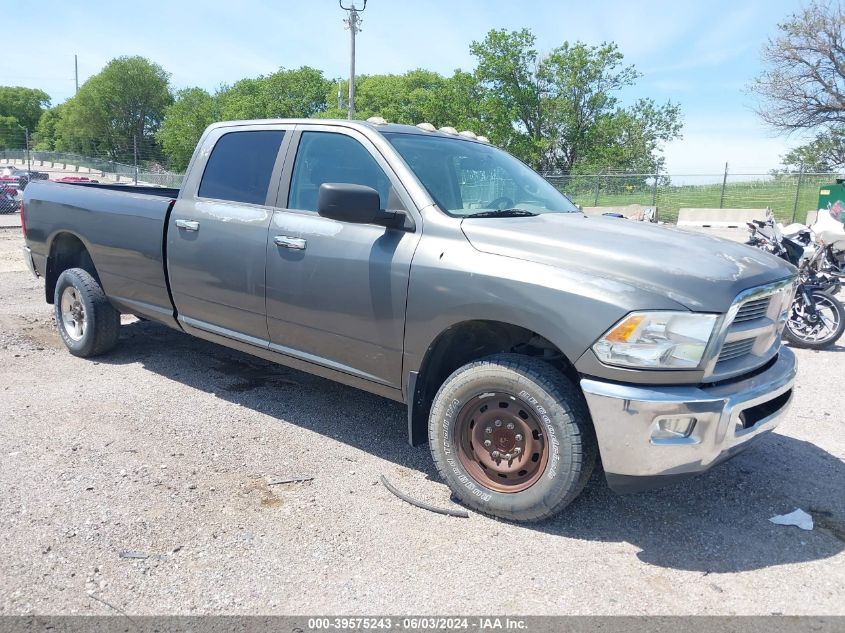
501	442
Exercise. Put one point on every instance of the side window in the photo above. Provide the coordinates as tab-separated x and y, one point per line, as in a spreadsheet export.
330	157
240	166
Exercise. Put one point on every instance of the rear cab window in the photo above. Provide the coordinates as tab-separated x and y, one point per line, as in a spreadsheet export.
241	166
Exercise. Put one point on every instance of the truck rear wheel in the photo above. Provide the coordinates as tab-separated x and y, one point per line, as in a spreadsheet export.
512	437
88	324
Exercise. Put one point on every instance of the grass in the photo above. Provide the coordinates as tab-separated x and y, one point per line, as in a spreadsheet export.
777	194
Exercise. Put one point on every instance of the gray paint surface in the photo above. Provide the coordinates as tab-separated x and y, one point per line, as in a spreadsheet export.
340	304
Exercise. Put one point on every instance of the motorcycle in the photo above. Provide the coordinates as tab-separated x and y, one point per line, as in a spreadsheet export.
816	318
828	233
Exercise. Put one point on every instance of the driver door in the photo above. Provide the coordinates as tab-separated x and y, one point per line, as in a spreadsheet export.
336	291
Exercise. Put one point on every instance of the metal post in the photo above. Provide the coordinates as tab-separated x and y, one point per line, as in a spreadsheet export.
797	191
654	191
26	137
596	202
135	155
353	23
724	182
76	72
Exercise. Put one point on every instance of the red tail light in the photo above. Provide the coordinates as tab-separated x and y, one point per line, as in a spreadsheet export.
23	220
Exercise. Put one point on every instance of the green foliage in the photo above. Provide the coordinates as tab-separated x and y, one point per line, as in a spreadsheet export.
44	137
299	93
124	102
184	123
414	97
826	152
558	112
561	112
11	134
26	105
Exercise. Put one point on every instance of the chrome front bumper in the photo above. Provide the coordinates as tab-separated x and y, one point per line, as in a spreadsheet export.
651	435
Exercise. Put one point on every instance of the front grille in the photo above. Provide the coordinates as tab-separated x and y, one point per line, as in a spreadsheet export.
736	349
754	309
751	335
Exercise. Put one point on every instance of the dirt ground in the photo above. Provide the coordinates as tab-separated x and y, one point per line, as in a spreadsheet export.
143	481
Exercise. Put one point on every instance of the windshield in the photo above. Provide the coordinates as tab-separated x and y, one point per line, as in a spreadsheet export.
467	178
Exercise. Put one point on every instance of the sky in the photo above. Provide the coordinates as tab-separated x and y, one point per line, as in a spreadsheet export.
701	55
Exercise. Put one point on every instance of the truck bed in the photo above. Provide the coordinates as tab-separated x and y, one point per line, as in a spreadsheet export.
123	229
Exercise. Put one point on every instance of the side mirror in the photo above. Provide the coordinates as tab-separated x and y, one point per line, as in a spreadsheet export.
353	203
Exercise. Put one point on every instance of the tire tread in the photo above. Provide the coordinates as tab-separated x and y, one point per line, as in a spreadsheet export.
565	395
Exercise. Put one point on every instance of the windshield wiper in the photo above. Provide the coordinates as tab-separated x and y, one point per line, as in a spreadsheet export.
503	213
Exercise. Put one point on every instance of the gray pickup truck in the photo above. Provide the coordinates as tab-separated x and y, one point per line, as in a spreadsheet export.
437	270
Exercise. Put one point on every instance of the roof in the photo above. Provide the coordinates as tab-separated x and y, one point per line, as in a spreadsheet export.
390	128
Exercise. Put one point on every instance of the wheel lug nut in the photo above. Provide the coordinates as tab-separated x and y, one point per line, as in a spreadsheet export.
487	443
517	450
494	454
510	426
498	423
488	430
518	437
508	456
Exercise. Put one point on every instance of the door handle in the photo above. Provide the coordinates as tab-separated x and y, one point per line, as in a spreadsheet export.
295	243
188	225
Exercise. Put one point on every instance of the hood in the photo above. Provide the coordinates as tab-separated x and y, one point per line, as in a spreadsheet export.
700	272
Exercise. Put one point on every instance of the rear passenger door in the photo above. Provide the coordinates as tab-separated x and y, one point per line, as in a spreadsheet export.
217	236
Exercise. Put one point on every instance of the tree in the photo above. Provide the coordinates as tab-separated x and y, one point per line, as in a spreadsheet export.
44	137
414	97
26	105
560	111
825	153
122	104
11	133
184	122
803	84
299	93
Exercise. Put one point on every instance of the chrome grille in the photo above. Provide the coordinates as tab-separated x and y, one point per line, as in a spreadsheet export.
736	349
754	309
750	333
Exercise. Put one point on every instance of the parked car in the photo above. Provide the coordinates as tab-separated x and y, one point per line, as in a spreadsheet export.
76	179
21	176
8	202
526	338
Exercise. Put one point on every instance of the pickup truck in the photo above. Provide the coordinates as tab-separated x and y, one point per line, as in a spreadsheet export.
527	339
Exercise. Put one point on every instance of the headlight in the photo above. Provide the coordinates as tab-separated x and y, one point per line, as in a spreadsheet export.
657	340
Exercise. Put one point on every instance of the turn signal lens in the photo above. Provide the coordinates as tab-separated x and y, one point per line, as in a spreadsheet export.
622	332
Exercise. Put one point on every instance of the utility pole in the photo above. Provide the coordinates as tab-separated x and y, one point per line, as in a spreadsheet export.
724	182
353	23
135	155
26	138
76	72
797	192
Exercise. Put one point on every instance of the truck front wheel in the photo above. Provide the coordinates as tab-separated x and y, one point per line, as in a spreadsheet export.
512	437
88	324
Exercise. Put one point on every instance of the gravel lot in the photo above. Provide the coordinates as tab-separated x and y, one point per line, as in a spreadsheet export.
163	449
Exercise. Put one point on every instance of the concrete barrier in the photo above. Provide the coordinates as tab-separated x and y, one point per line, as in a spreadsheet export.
722	218
631	211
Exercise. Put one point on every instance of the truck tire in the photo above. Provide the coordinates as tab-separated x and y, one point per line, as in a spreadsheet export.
512	437
88	324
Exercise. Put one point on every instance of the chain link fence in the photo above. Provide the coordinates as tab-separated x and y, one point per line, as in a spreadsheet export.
146	173
789	196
